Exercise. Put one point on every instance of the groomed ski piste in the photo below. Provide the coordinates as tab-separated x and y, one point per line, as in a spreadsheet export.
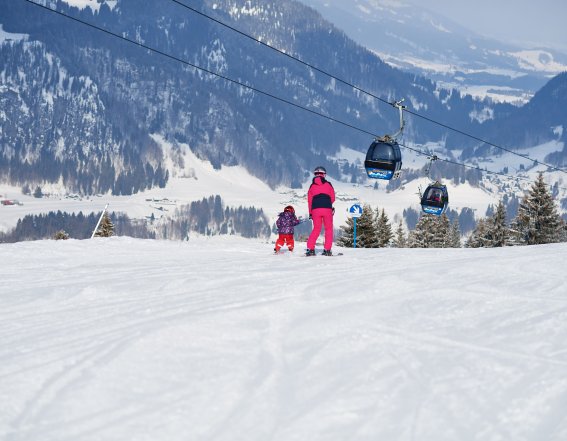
218	339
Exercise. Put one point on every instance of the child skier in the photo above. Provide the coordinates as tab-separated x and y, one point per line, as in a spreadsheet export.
286	223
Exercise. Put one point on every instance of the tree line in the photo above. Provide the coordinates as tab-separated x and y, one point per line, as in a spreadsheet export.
537	222
65	225
210	216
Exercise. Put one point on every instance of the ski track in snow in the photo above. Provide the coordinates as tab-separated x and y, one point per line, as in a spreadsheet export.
218	339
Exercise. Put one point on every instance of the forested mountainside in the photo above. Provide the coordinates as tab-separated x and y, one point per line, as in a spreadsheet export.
79	105
542	119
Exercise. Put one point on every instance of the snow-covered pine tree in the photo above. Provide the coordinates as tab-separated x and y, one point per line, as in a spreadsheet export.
106	227
454	235
424	233
383	228
61	235
365	231
538	220
434	232
492	231
347	234
477	238
400	240
441	232
498	232
366	236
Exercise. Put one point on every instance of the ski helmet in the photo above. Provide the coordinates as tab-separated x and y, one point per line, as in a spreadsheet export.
320	171
290	209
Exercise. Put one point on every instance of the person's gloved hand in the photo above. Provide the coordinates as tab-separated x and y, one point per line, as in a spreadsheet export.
310	217
333	210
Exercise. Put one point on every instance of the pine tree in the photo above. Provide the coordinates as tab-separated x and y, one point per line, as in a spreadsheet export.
537	221
399	240
477	237
366	236
434	232
424	233
347	237
498	231
383	229
441	233
37	192
61	235
106	227
492	231
454	235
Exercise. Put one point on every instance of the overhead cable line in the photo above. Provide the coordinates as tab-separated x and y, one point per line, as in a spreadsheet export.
347	83
203	69
535	161
254	89
472	167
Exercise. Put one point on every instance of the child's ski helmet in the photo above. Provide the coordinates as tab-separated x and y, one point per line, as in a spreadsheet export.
290	209
320	171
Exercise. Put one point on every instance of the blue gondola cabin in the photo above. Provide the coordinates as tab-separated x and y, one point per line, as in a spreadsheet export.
383	160
435	199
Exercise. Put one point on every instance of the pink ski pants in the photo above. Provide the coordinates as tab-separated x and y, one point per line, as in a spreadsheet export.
322	217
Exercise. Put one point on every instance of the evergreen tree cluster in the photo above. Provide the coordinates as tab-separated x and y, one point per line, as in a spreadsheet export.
73	138
210	217
373	230
435	232
491	231
537	222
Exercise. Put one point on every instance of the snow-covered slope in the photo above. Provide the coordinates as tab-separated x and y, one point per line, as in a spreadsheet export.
93	4
121	339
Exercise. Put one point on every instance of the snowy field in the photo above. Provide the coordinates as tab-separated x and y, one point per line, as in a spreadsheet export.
216	339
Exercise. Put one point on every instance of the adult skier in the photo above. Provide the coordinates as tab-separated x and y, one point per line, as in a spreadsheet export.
320	199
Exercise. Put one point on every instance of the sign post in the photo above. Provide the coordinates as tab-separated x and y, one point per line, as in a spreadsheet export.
355	212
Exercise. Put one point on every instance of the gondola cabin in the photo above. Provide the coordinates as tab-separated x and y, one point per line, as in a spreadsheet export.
383	160
435	199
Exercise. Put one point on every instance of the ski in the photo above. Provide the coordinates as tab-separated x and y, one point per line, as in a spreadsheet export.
321	255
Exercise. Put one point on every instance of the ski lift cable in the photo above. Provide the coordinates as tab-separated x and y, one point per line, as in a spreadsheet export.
281	52
203	69
347	83
472	167
254	89
476	138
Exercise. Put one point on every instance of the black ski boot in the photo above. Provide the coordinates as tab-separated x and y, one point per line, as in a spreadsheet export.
310	252
327	253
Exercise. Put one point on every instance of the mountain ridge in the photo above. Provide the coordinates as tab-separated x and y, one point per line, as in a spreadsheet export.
415	39
142	94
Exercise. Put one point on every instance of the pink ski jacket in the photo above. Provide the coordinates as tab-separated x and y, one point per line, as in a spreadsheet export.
321	194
